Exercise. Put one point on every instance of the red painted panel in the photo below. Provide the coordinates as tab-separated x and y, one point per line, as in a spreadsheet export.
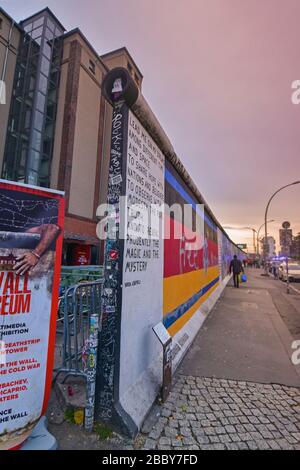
177	258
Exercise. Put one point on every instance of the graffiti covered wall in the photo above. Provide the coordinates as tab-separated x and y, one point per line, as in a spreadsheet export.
140	363
193	279
190	276
171	280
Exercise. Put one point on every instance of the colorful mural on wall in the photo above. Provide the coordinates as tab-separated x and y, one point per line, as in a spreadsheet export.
152	279
190	276
225	253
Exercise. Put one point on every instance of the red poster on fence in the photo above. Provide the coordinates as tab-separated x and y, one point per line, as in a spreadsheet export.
31	233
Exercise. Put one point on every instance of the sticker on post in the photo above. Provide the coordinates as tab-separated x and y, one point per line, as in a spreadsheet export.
116	179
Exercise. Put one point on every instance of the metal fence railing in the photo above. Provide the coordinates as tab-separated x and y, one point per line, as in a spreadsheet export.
78	326
72	275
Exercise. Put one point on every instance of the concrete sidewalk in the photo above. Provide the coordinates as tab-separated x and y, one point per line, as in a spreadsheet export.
244	338
237	387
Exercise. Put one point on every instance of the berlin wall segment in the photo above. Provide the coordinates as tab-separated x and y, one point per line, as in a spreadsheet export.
161	280
108	408
130	361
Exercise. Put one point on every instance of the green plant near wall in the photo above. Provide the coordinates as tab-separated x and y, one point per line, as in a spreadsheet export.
103	431
69	415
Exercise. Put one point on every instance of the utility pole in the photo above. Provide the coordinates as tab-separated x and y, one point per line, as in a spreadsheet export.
287	275
258	231
245	228
266	222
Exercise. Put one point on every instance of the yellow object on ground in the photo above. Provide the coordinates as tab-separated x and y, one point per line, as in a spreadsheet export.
79	417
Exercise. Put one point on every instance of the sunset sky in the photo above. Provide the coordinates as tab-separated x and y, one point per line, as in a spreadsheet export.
218	75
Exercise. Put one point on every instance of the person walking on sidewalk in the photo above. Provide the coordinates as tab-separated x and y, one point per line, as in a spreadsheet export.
236	268
275	270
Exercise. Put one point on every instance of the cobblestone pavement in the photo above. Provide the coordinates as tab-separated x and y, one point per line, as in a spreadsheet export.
209	413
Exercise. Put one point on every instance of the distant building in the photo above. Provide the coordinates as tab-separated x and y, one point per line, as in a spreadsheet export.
295	247
55	125
270	245
10	34
285	239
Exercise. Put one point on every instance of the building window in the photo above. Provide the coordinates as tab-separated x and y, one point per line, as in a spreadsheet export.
92	67
50	24
37	34
29	141
130	68
1	23
38	22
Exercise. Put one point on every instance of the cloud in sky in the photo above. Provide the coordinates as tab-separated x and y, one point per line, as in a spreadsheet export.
218	75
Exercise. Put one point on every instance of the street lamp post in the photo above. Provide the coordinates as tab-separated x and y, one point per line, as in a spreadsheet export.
266	222
287	275
256	248
245	228
254	231
258	232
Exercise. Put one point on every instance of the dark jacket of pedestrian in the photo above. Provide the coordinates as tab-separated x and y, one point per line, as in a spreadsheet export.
236	266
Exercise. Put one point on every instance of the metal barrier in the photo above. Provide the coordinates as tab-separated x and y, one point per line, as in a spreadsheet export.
73	275
79	321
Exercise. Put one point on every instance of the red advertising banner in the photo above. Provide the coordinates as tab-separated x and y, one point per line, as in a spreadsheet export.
31	235
82	255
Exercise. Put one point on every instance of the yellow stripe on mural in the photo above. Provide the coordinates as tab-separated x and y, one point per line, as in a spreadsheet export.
180	288
173	329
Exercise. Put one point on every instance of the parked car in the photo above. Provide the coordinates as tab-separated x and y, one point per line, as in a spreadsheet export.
293	269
